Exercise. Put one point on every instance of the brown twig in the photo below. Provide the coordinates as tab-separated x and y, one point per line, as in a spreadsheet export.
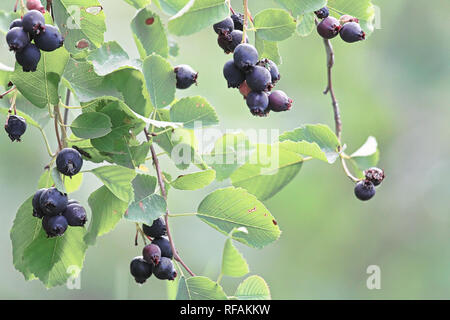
7	92
66	110
162	187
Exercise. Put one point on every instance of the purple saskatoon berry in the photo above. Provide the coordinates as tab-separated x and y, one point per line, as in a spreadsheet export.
33	22
69	162
375	175
53	202
322	13
245	56
164	246
238	19
364	190
272	67
229	41
328	28
165	270
17	39
352	32
234	76
157	229
54	226
186	76
226	25
259	79
37	210
29	58
140	270
16	23
279	101
258	103
15	127
50	39
152	254
75	215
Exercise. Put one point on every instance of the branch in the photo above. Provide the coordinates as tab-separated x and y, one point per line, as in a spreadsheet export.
7	92
162	187
66	110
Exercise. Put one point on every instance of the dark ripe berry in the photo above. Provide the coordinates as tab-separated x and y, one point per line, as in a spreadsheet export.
364	190
165	270
238	19
226	25
375	175
244	89
29	58
328	28
35	5
229	41
245	56
140	269
75	215
16	23
234	76
164	246
347	18
50	39
15	127
37	210
17	39
186	76
53	202
33	22
258	103
352	32
322	13
54	226
157	229
259	79
152	254
272	67
279	101
69	162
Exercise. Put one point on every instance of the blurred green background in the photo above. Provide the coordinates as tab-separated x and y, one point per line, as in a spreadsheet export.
394	86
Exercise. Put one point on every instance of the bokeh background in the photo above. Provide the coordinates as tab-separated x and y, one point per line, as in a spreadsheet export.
394	86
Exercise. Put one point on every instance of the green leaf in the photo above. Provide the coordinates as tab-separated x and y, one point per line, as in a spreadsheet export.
200	288
91	125
111	57
118	180
194	181
274	24
147	210
253	288
196	15
80	20
45	180
58	180
41	87
24	231
107	210
362	9
317	141
149	34
268	171
74	183
138	4
5	20
305	24
230	208
194	111
268	50
297	7
171	7
367	156
233	263
161	80
229	153
143	186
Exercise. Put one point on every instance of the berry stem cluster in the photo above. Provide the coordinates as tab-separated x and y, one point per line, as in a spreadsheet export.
162	187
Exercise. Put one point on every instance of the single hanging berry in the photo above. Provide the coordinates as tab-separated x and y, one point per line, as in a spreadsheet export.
234	76
50	39
69	162
226	25
245	56
157	229
165	270
259	79
375	175
322	13
37	210
352	32
15	127
364	190
75	215
328	28
17	39
33	22
53	202
258	103
152	254
54	226
164	246
29	58
186	76
279	101
140	270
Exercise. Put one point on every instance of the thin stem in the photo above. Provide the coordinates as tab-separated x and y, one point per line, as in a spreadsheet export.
347	171
62	127
66	110
7	92
219	278
183	215
162	188
141	232
49	150
244	35
58	138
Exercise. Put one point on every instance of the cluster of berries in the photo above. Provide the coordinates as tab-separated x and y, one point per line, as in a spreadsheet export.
32	27
347	27
15	127
365	189
53	207
255	78
156	257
